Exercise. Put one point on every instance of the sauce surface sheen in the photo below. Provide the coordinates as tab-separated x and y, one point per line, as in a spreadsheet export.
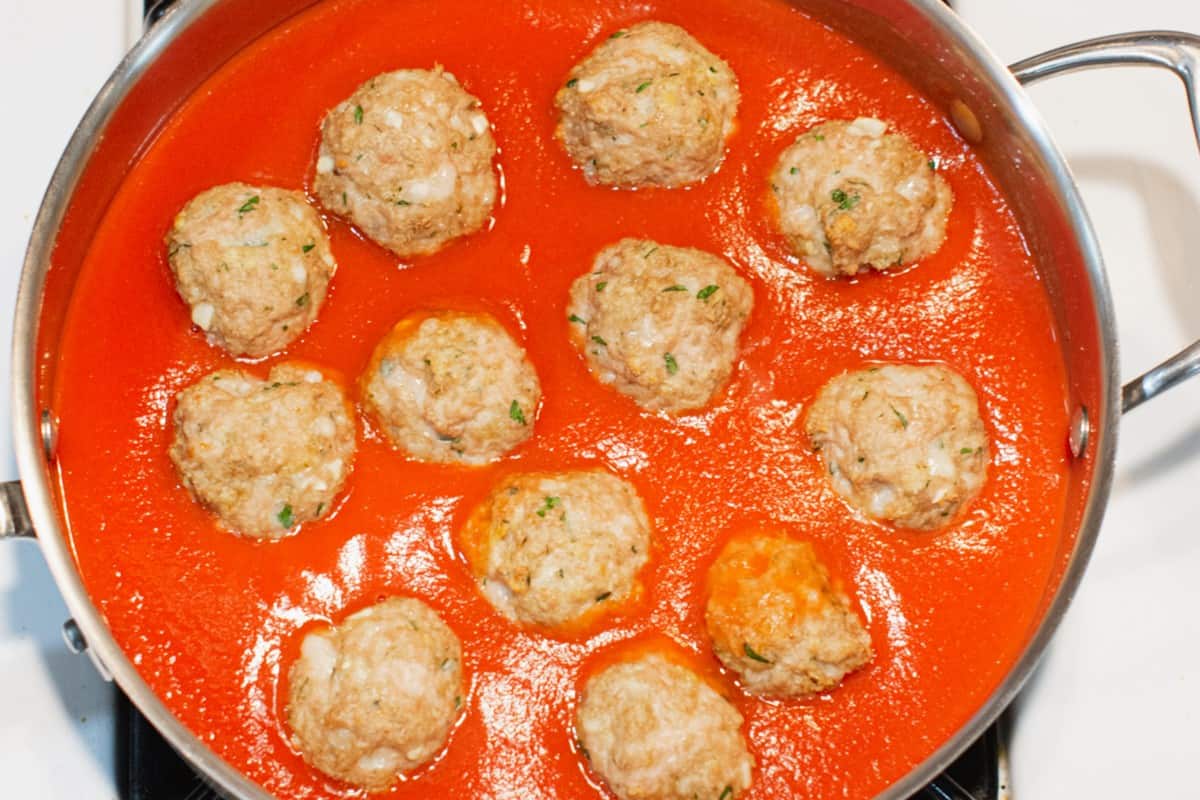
212	621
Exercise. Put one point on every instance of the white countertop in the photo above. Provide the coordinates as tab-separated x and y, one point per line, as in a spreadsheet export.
1113	710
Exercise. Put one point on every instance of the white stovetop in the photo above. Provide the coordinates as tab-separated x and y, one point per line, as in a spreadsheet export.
1113	710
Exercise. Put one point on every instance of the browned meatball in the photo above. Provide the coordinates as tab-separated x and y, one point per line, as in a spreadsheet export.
265	455
253	264
901	443
408	159
649	106
852	196
660	324
376	696
777	621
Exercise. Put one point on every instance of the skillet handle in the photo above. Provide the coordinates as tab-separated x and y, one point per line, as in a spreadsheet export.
1180	53
14	515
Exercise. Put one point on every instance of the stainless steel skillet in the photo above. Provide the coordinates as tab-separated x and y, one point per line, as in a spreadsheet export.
919	37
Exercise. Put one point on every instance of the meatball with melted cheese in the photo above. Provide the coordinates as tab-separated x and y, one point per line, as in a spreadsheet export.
452	386
265	456
650	106
904	444
559	550
408	159
852	196
376	696
777	621
654	730
661	324
253	264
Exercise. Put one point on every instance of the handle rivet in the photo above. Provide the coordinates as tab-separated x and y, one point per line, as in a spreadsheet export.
49	433
74	637
966	122
1077	437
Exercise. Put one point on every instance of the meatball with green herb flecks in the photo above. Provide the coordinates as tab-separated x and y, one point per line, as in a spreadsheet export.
265	455
559	550
777	620
376	696
660	324
852	196
452	386
408	159
652	729
253	264
650	106
901	443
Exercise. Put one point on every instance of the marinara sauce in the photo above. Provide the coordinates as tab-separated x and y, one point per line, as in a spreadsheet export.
212	621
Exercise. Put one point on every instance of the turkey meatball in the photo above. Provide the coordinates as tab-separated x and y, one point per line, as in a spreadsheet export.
557	550
265	456
654	730
648	107
376	696
659	323
452	387
776	620
905	444
851	196
408	159
253	264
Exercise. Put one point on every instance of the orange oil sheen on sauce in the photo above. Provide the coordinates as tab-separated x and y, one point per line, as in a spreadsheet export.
212	621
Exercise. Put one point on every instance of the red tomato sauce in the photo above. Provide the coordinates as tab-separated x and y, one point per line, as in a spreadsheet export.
212	621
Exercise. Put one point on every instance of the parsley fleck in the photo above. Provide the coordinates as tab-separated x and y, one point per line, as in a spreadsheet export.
649	252
845	201
550	502
320	508
672	364
617	35
726	792
308	247
403	203
302	300
820	137
515	413
794	171
600	598
966	451
903	419
676	288
344	200
933	163
577	318
248	206
571	83
643	87
599	341
600	286
358	114
713	70
286	517
749	651
707	292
